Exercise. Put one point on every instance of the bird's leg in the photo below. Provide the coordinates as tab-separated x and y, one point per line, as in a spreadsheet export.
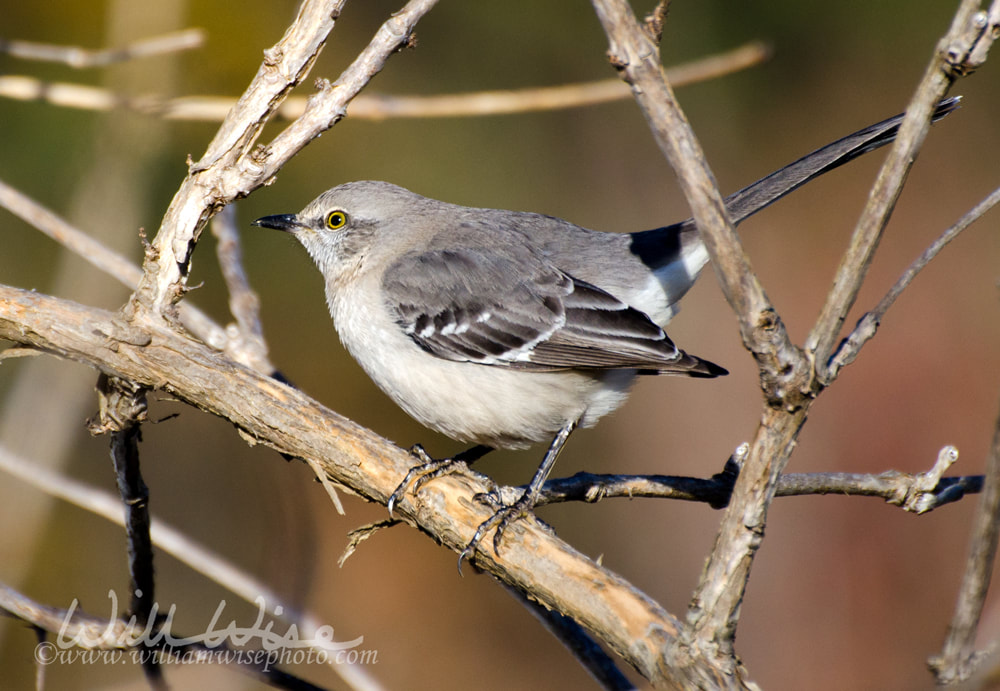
523	506
431	468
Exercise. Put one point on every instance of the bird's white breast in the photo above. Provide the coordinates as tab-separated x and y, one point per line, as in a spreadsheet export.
469	402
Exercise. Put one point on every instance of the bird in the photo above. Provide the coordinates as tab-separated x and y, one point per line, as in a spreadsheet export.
504	329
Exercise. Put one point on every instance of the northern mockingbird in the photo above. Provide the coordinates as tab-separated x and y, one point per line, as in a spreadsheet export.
505	328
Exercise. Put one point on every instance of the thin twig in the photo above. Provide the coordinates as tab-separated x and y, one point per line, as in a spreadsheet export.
232	168
384	106
950	61
74	56
958	657
869	323
101	257
246	341
901	489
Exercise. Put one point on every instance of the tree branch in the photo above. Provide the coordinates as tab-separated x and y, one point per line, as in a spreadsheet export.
123	410
919	493
970	34
705	655
101	257
958	658
385	106
79	58
869	323
230	169
534	560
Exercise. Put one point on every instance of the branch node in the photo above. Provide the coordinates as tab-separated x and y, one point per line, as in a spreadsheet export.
924	492
966	52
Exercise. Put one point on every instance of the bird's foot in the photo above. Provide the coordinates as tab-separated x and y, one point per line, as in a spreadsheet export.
502	518
431	468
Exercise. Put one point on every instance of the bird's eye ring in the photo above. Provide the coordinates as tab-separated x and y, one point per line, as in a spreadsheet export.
335	220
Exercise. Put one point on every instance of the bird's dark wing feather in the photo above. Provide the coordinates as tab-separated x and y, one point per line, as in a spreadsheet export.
511	308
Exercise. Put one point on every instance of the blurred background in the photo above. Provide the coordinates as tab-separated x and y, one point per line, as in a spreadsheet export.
845	593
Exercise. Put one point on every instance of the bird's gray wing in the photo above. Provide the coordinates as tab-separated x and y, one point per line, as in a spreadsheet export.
511	308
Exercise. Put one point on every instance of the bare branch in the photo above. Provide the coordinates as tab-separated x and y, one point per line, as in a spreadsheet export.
969	33
914	493
123	410
578	642
230	170
705	656
80	58
94	632
245	342
868	325
101	257
533	561
384	106
67	235
958	657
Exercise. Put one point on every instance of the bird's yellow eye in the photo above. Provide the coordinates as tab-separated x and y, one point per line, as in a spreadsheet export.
335	220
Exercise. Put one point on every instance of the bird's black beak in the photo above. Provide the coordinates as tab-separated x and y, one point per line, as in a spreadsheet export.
286	222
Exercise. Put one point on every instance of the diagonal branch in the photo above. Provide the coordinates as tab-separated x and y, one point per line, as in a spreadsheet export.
101	257
970	34
231	168
869	323
536	561
96	633
704	655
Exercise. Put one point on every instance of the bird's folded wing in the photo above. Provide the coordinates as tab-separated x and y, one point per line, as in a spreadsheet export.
512	308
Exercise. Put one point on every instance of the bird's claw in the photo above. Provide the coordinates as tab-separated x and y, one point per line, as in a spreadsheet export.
419	475
499	521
